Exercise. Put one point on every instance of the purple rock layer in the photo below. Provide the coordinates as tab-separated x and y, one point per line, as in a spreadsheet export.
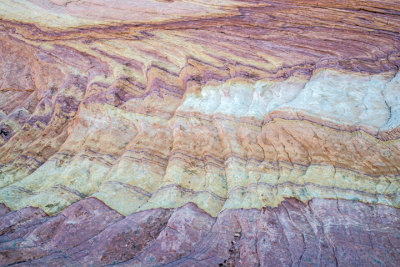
323	232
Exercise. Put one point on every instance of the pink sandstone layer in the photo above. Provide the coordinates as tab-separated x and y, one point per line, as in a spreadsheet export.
322	232
199	133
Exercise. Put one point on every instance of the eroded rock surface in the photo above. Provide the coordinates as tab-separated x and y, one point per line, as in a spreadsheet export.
199	132
322	232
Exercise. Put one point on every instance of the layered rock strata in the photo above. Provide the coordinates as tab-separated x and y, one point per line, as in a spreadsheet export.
322	232
135	118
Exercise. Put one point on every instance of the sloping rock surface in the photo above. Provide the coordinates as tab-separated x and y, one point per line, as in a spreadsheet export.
199	132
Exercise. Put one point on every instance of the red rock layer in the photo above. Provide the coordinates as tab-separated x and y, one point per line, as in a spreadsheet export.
321	232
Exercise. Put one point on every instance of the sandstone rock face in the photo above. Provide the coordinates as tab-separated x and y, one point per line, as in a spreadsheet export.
322	232
199	133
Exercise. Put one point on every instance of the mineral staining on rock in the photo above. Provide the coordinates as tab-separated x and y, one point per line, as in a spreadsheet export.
279	117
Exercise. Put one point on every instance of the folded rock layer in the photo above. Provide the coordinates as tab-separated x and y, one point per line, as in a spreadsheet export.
190	133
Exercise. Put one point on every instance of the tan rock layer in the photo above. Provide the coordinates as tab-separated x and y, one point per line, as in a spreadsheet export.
120	107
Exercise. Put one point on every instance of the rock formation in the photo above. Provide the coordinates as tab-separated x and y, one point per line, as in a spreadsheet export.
200	133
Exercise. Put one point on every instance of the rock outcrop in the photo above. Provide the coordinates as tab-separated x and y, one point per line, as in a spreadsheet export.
199	133
322	232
